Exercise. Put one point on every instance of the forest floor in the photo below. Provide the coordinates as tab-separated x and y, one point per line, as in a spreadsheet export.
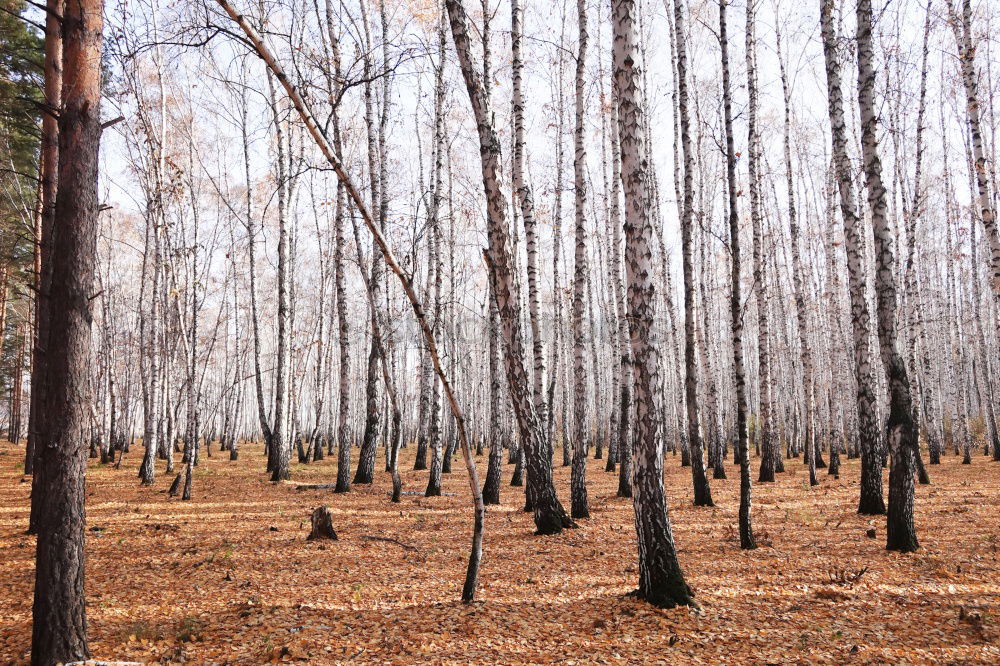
229	577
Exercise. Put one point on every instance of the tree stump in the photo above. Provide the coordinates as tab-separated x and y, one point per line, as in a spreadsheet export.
322	525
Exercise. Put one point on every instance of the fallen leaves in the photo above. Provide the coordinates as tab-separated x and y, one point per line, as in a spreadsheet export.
208	581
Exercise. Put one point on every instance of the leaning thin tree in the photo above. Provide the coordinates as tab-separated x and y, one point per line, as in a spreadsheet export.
257	43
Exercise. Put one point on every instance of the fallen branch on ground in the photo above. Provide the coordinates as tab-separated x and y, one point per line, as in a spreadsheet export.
390	540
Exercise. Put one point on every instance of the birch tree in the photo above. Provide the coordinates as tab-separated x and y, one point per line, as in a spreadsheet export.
661	581
550	517
901	432
801	316
747	540
871	500
702	490
581	437
962	28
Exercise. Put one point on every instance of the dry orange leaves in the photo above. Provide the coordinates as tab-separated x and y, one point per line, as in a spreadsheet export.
229	578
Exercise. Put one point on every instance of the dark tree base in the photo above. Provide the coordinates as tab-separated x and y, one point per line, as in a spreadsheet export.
666	598
747	539
175	486
900	535
903	547
551	518
871	506
702	501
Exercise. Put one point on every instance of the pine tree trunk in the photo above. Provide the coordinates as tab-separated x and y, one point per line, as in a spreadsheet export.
49	170
59	620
